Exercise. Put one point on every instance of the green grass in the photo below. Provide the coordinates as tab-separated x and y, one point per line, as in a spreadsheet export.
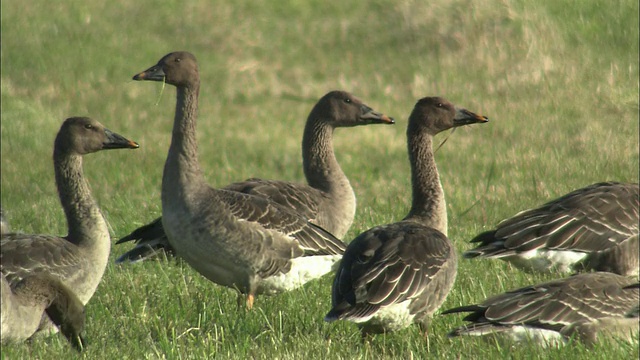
558	79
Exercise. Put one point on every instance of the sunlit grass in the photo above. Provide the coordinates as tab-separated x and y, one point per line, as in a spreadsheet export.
558	80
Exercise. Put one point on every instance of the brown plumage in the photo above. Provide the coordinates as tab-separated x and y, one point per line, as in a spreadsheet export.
242	241
24	305
590	229
396	274
582	306
327	200
78	259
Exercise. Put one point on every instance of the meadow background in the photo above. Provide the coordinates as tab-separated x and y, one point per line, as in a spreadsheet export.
558	80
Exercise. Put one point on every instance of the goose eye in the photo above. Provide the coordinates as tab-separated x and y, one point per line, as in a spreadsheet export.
178	59
440	105
88	126
347	100
362	259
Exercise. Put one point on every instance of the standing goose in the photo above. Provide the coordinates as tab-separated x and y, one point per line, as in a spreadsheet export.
78	259
242	241
396	274
23	307
328	200
584	306
590	229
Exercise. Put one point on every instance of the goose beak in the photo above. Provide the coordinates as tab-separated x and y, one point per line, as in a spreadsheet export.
117	141
466	117
154	73
373	117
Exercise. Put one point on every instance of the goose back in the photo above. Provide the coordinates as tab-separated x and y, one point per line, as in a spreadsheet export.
551	313
594	228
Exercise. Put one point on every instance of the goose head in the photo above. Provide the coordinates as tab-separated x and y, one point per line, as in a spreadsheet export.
82	135
342	109
178	68
435	114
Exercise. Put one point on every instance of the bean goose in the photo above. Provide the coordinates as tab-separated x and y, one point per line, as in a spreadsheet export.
328	200
396	274
78	259
23	307
590	229
246	242
584	306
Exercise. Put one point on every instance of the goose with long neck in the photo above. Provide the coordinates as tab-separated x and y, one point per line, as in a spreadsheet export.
80	258
594	228
397	274
242	241
24	306
327	199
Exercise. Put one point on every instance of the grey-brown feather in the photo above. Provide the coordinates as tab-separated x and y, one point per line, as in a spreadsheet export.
553	305
387	265
327	199
406	268
595	220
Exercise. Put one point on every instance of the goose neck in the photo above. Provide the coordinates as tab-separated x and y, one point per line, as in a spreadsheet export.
428	203
84	219
182	167
319	161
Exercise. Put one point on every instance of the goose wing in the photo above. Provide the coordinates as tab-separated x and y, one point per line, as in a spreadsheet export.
387	265
304	199
590	219
23	255
552	305
271	216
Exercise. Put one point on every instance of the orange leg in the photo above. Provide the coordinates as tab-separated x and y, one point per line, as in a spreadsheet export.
250	299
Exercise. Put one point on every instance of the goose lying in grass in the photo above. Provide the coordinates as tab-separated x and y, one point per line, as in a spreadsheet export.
246	242
584	306
78	259
328	200
396	274
23	307
590	229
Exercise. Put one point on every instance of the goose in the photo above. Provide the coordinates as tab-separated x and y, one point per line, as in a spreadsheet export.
585	306
594	228
394	275
23	306
242	241
327	200
78	259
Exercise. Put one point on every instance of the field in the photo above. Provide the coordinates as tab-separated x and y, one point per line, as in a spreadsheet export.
557	79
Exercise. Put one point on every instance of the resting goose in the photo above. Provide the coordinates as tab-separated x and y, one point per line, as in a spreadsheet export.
590	229
24	305
393	275
584	306
328	200
78	259
246	242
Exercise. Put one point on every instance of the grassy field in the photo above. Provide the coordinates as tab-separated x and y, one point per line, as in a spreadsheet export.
558	80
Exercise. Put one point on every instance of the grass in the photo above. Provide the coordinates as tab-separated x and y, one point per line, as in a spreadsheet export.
558	79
